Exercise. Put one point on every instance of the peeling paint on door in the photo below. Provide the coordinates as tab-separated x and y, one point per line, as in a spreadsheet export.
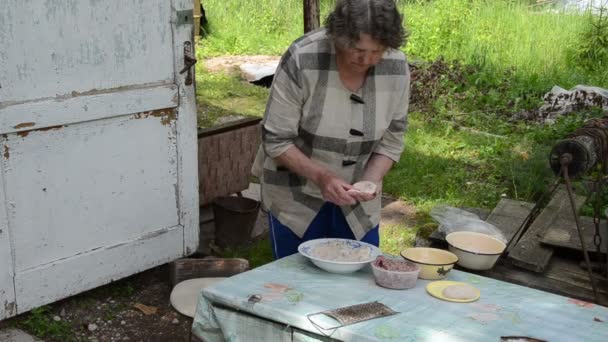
10	307
24	134
166	115
25	125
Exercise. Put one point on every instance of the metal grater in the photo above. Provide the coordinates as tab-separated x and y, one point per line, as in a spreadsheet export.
354	314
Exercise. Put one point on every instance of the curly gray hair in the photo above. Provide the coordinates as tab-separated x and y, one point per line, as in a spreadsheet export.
378	18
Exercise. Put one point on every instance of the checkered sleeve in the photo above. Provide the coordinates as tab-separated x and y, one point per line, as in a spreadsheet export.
391	144
284	106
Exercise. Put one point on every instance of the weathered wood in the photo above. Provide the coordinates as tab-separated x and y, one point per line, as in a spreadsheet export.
190	268
82	50
562	276
230	147
38	286
565	234
8	305
186	187
529	252
570	271
509	215
94	106
311	15
65	196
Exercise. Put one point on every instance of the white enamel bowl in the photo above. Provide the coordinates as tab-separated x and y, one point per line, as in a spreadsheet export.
475	251
306	249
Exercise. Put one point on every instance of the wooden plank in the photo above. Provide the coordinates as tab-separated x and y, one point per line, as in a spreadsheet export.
56	112
570	271
233	150
8	307
565	234
51	48
90	185
509	215
562	276
62	278
190	268
187	145
529	252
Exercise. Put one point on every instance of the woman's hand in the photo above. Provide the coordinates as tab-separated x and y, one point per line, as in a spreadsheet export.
364	191
336	190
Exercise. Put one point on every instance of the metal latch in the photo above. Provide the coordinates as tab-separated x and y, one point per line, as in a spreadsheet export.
189	62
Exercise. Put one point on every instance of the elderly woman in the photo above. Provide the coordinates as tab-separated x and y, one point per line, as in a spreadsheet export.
336	116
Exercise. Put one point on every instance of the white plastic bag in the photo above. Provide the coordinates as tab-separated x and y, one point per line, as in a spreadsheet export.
454	220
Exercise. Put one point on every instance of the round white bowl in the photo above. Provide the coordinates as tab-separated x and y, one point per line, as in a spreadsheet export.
475	251
332	266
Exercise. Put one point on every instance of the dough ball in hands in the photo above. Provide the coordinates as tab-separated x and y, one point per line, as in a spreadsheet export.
366	187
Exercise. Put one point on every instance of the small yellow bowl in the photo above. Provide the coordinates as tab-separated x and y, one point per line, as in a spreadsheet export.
434	263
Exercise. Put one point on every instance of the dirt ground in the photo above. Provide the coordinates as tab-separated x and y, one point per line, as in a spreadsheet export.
227	63
108	313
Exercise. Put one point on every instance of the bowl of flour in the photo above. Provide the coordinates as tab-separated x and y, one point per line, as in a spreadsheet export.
339	255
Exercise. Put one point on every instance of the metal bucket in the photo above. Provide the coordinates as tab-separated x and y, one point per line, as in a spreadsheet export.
235	219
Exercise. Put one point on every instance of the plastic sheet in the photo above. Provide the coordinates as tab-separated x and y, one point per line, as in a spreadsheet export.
455	220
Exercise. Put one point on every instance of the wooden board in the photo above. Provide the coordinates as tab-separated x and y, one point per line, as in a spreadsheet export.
562	276
190	268
565	234
509	215
225	156
529	252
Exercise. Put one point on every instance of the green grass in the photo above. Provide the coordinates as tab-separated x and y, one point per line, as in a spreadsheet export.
258	253
40	323
542	47
498	35
441	164
225	93
394	237
253	27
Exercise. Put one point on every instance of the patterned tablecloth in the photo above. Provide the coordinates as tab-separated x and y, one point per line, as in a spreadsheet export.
272	303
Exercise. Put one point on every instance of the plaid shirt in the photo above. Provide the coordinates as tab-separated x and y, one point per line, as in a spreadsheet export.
310	108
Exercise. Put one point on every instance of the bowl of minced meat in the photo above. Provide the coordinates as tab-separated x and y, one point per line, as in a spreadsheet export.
395	273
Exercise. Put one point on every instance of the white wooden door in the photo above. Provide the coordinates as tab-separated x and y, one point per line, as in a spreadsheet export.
97	144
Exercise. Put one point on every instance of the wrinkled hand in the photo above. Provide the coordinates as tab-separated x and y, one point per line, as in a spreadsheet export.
361	196
336	190
364	191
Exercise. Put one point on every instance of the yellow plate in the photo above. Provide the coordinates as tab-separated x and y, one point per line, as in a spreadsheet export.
435	289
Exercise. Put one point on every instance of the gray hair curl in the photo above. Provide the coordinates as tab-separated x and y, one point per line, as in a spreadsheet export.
378	18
